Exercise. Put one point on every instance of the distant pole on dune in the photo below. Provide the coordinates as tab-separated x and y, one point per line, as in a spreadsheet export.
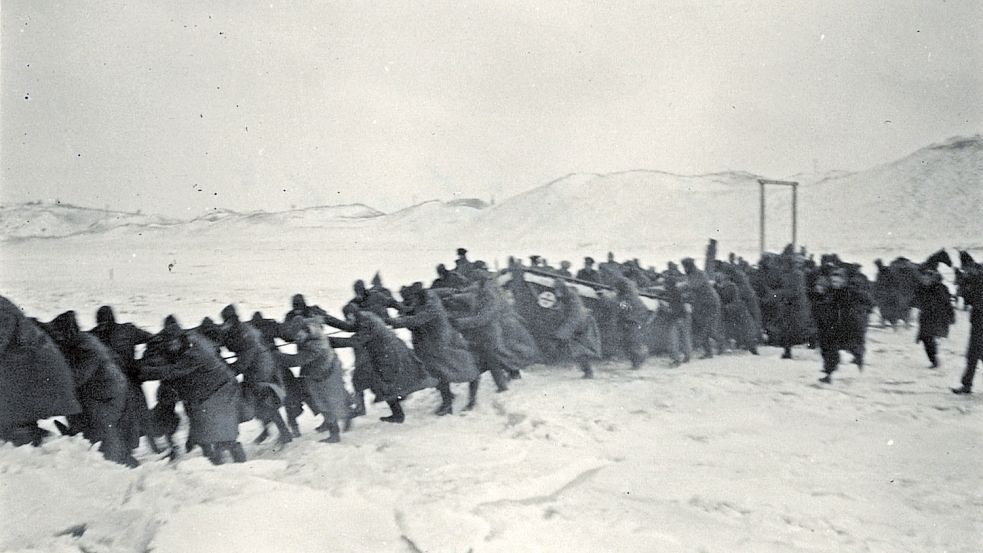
795	209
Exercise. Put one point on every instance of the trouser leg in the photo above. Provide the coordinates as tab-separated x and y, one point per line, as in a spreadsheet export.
397	412
974	354
831	358
584	363
472	393
931	350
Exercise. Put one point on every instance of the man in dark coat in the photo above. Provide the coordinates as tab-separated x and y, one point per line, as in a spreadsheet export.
706	308
737	321
680	325
633	317
321	375
589	273
188	363
564	269
439	346
262	385
35	380
99	384
935	313
483	332
448	279
122	339
578	335
887	295
396	371
973	295
462	265
609	270
784	302
295	395
840	312
520	346
364	300
748	296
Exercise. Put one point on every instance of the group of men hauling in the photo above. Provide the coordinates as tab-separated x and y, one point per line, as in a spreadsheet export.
466	323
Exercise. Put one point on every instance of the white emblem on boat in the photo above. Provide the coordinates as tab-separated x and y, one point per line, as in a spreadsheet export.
546	299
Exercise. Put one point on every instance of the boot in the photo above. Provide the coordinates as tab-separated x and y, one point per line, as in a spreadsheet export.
472	395
586	368
325	426
334	434
962	390
294	427
238	454
446	400
347	425
214	453
788	353
397	417
826	379
285	436
262	435
359	408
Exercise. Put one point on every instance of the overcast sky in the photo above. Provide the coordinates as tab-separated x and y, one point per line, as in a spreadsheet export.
177	107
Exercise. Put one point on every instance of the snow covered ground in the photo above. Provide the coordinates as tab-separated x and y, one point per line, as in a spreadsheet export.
737	453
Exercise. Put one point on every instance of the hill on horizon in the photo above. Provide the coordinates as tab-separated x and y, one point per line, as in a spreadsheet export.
932	196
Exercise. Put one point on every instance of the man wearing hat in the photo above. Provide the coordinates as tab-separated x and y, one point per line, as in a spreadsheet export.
122	339
100	386
840	312
564	269
188	363
483	332
589	273
448	279
935	312
262	385
462	265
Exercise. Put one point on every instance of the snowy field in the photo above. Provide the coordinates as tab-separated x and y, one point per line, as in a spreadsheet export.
737	453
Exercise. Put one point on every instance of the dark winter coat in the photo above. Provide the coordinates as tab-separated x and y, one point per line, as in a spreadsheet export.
887	295
589	275
578	333
102	390
520	345
438	345
749	298
633	319
706	308
738	323
205	384
449	280
935	310
785	306
322	377
261	379
35	380
122	340
841	318
396	371
483	330
362	373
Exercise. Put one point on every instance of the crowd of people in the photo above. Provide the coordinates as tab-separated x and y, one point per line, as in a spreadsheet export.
467	322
